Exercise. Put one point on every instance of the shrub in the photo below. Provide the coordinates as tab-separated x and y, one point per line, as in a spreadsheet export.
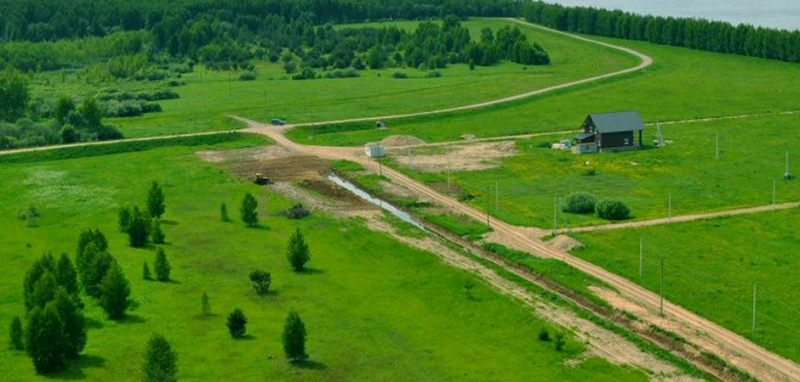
161	362
560	341
589	172
298	211
15	333
237	323
206	304
248	210
434	74
612	209
156	233
146	275
249	75
297	251
261	281
124	219
162	266
223	213
294	338
400	75
544	335
579	203
115	291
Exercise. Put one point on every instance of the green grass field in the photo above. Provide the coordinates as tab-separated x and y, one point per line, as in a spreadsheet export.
711	266
681	84
752	156
209	96
374	309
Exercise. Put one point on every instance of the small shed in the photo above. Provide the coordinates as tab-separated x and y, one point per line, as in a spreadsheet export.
375	150
610	132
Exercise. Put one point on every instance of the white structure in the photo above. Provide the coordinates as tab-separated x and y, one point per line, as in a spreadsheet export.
375	150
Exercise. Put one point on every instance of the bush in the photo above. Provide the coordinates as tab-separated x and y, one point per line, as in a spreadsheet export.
15	333
612	209
294	338
162	266
544	335
298	211
560	341
115	291
261	281
161	362
156	233
400	75
249	75
579	203
433	74
249	211
237	323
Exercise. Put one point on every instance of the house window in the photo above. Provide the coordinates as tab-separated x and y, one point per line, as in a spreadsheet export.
626	141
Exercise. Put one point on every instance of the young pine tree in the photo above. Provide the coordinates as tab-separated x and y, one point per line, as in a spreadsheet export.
115	291
248	210
156	203
138	229
161	265
74	334
146	275
294	338
124	219
157	235
261	281
161	362
206	305
297	251
15	333
44	340
223	213
237	323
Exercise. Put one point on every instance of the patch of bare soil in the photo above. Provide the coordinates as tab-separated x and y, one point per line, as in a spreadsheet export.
468	157
401	140
246	154
502	237
283	169
564	243
397	191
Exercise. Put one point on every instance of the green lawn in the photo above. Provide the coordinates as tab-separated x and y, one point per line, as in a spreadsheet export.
209	96
681	84
374	309
752	156
711	266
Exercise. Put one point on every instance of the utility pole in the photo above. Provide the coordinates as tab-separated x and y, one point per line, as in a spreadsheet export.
496	195
555	213
788	174
380	167
661	289
755	305
641	257
487	207
449	170
411	158
717	155
774	194
670	208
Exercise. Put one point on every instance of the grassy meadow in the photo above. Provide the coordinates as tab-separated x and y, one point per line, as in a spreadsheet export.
711	266
752	156
374	308
681	84
209	96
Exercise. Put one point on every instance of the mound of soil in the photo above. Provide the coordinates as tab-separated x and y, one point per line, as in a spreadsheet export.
564	243
401	140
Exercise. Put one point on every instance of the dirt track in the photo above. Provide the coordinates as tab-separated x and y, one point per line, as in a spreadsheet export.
737	350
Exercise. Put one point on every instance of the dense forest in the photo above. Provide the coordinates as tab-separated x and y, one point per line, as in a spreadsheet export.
156	42
715	36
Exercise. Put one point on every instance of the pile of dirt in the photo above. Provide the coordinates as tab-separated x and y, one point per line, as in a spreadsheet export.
564	243
402	140
284	169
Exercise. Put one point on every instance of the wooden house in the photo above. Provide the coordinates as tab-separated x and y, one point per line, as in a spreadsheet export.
610	132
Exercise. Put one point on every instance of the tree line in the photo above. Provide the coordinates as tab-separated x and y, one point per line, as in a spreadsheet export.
714	36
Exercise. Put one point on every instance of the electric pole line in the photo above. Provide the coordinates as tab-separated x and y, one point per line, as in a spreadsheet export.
487	207
661	289
774	194
670	208
555	213
411	158
496	195
755	306
449	170
717	155
641	257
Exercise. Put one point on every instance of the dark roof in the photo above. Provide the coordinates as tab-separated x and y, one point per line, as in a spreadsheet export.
583	136
617	122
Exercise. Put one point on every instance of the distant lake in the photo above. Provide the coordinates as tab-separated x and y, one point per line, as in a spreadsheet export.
782	14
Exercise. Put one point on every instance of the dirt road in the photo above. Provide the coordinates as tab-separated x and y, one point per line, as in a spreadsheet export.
737	350
681	218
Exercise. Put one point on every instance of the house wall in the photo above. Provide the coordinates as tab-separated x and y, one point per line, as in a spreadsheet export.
611	140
